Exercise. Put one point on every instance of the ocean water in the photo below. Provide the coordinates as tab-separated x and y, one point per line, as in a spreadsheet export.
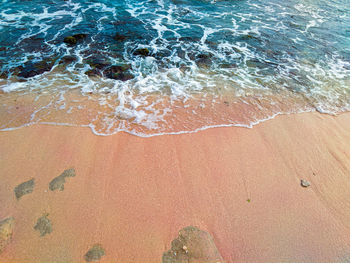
204	63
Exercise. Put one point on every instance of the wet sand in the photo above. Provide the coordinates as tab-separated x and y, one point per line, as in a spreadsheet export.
130	196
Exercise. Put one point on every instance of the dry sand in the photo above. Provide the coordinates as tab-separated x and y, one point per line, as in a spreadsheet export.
130	196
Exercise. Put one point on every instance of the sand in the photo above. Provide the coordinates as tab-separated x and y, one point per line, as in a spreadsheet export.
130	196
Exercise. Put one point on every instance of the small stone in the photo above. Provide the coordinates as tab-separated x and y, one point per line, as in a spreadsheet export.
305	183
43	225
6	231
95	253
24	188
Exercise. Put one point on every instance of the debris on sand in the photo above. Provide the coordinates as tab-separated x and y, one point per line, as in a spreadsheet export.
6	230
305	183
24	188
43	225
95	253
59	181
192	245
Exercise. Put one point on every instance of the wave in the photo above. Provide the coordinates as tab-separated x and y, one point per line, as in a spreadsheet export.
141	64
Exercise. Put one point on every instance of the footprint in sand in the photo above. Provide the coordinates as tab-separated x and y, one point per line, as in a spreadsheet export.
6	230
58	182
43	225
95	253
192	245
24	188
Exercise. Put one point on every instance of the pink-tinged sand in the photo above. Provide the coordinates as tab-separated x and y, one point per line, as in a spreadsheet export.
132	195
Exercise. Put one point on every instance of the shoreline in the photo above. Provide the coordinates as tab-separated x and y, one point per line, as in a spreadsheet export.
204	128
104	117
132	195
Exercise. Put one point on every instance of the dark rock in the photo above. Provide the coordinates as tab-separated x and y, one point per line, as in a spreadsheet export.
192	245
98	61
255	63
189	39
16	70
204	60
184	68
6	231
79	36
31	69
3	75
95	253
124	76
119	72
34	44
93	73
58	182
72	40
68	60
3	48
43	225
24	188
119	37
142	52
227	65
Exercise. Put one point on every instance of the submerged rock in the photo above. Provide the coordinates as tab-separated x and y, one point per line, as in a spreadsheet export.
119	72
31	69
192	245
95	253
6	231
204	60
93	73
142	52
98	61
58	182
227	66
3	75
255	63
34	44
68	60
119	37
24	188
43	225
72	40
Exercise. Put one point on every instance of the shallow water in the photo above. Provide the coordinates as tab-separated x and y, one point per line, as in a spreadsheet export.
210	63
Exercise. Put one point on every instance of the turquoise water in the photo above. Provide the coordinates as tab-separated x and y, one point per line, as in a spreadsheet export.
258	58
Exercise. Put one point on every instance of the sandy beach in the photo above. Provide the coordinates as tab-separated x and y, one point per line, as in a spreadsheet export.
132	195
